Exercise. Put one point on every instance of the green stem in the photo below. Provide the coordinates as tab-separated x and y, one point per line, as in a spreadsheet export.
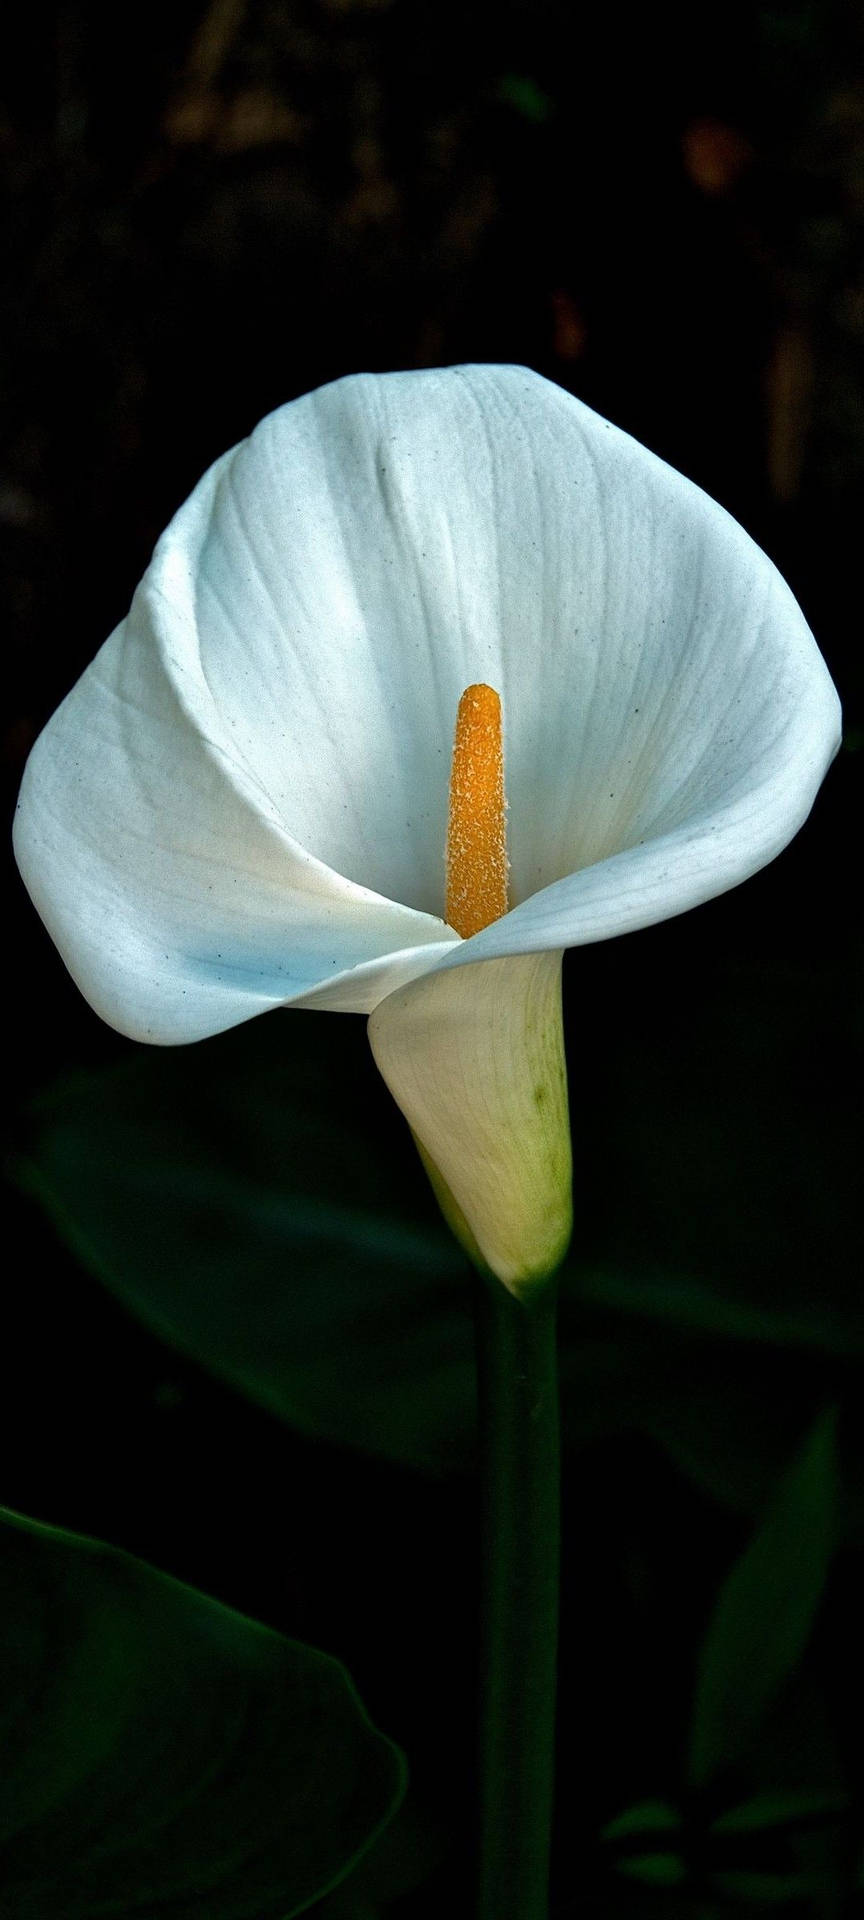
518	1394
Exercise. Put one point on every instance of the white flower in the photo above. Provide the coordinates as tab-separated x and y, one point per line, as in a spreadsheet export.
243	802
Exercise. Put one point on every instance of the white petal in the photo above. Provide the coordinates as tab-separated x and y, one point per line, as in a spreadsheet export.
243	803
158	860
475	1059
382	543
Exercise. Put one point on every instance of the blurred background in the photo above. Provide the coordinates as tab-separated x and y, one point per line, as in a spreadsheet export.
210	1356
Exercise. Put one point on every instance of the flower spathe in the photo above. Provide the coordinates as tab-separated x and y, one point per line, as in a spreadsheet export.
243	802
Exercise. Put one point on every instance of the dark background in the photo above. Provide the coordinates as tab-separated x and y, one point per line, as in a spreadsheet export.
209	210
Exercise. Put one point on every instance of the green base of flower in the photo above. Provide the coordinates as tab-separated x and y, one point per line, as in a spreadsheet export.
532	1282
452	1212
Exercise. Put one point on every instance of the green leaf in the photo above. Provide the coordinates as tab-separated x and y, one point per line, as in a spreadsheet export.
411	1848
654	1869
258	1203
766	1812
765	1611
160	1753
645	1816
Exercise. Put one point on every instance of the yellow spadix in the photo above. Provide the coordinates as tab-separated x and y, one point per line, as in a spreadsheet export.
474	1055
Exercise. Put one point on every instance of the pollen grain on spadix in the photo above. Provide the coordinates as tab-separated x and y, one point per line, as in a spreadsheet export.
477	864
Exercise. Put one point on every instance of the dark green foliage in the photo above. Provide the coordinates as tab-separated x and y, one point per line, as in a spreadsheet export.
765	1609
160	1753
258	1203
779	1844
237	1197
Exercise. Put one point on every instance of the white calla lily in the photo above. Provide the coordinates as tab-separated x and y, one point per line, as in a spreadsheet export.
243	803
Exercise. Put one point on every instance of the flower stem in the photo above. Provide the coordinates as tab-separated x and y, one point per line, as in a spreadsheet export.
519	1464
